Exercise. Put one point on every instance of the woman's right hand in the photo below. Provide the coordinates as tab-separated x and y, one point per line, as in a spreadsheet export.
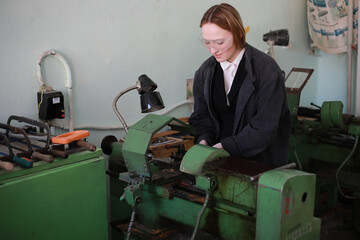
203	142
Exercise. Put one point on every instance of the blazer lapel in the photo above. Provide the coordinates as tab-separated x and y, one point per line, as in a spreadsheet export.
208	81
246	90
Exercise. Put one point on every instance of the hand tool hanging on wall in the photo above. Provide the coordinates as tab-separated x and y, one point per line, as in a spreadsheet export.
6	162
43	126
30	152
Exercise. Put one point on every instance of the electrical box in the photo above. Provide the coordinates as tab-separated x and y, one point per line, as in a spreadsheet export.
51	105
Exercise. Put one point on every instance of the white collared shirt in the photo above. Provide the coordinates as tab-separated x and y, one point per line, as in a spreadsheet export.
230	71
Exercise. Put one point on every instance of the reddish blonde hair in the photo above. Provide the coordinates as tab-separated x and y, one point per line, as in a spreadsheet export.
228	18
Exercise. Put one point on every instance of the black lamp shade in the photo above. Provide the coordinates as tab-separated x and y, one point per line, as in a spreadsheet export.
146	84
150	102
278	37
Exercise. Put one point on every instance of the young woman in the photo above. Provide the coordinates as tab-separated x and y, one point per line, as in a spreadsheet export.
239	93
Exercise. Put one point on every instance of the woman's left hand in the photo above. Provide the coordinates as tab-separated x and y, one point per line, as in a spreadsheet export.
218	145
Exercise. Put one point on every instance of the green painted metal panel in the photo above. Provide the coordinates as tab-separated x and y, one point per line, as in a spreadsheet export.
198	155
138	139
354	130
331	114
64	202
336	114
134	151
293	103
151	123
308	148
215	220
312	153
286	199
325	115
116	153
235	189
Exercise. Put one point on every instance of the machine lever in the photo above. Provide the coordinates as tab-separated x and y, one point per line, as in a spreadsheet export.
313	104
287	166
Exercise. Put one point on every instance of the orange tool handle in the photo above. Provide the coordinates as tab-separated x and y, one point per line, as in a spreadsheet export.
70	137
8	166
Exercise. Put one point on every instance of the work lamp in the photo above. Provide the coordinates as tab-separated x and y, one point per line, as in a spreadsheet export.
150	100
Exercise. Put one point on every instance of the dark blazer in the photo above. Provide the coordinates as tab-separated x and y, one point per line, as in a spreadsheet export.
261	127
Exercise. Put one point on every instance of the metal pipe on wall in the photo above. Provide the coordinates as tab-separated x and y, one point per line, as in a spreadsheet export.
349	55
357	97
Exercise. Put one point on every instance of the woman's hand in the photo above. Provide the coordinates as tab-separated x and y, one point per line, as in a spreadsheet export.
203	142
218	145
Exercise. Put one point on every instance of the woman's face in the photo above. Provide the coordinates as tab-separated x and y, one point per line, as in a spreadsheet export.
219	42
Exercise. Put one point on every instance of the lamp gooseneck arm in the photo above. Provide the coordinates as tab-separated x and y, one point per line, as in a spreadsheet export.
117	111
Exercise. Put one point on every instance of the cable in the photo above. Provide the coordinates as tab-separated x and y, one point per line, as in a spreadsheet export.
69	80
131	223
198	220
341	166
42	90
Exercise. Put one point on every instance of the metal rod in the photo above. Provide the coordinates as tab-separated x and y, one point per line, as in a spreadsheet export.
287	166
313	104
349	55
357	82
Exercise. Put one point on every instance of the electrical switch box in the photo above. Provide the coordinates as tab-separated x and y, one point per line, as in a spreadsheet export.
51	105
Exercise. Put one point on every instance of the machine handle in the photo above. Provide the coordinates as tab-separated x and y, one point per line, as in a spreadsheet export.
86	145
43	157
23	162
8	166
